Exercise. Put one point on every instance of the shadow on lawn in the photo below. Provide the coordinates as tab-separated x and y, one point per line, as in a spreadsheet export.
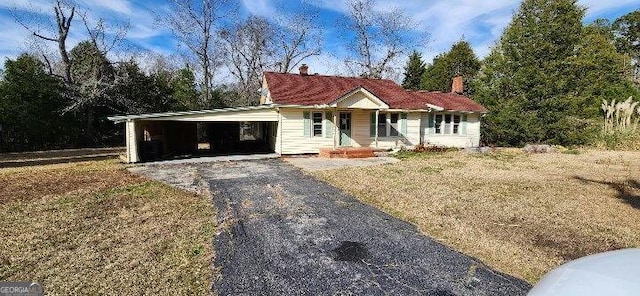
628	191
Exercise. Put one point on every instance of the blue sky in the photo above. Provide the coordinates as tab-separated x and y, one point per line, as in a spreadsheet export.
480	22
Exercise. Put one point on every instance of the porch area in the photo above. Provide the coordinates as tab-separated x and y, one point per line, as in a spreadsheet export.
347	152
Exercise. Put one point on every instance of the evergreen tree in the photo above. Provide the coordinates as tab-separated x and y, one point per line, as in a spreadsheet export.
528	81
627	37
184	90
138	92
31	104
460	60
413	71
436	77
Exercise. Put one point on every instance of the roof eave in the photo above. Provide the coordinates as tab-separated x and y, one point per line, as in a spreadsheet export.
123	118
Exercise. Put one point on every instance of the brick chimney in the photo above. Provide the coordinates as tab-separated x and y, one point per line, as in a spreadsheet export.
304	69
458	85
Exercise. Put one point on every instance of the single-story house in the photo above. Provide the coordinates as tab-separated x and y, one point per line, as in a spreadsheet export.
302	113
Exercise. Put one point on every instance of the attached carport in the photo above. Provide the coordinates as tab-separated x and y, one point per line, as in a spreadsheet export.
171	135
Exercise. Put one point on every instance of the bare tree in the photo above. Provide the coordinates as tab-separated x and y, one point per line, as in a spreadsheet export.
195	25
297	38
64	13
100	35
378	40
250	51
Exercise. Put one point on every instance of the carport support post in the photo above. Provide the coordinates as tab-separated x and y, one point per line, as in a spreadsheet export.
376	135
131	141
336	130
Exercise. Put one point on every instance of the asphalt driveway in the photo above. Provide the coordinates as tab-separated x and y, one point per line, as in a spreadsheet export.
282	232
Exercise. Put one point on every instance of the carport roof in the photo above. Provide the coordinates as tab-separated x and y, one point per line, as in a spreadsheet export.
122	118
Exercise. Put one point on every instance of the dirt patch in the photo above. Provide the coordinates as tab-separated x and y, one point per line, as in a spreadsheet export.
33	183
522	214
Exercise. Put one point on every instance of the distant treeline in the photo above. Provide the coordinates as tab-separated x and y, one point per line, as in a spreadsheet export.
545	79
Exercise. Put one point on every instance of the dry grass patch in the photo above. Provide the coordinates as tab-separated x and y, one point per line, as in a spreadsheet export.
93	228
522	214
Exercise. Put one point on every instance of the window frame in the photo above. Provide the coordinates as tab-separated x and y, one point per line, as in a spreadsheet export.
385	125
451	128
382	125
437	127
314	124
394	127
455	126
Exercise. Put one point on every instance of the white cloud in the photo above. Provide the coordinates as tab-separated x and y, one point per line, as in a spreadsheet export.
481	22
595	7
335	5
33	6
325	64
119	6
263	8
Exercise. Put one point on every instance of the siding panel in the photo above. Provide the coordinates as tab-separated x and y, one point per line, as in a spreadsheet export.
292	134
470	139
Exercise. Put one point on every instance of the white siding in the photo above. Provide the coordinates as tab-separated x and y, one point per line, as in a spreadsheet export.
291	131
413	128
470	139
291	139
362	118
358	100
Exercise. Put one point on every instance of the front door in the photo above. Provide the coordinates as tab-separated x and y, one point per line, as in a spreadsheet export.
345	129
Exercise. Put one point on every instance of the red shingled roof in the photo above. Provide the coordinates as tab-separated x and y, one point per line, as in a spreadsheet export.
308	90
449	101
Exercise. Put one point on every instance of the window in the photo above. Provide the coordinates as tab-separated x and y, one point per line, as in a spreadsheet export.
447	124
456	124
382	125
388	124
393	131
317	124
438	124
